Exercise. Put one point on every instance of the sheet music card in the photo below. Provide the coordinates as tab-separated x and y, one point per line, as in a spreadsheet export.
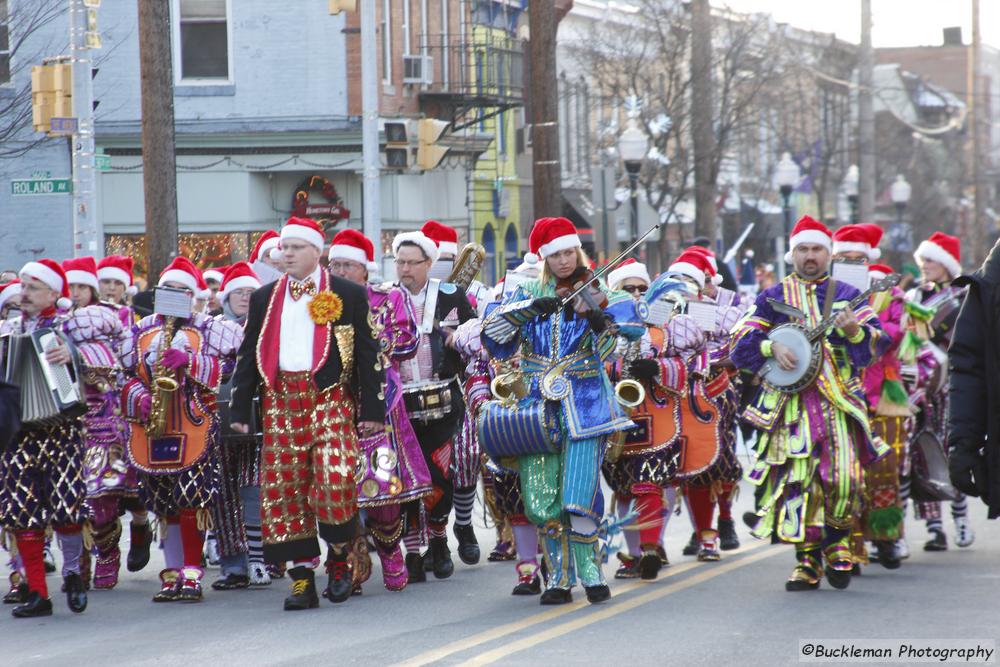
511	281
171	302
660	312
704	314
852	273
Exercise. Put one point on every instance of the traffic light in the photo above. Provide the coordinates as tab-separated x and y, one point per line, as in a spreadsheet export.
337	6
51	94
429	154
397	145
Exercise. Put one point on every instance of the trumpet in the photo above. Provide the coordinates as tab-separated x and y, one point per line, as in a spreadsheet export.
163	385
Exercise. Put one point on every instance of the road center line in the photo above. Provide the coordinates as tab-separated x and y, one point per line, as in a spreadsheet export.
507	650
467	643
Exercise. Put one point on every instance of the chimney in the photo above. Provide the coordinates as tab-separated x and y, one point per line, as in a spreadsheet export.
953	36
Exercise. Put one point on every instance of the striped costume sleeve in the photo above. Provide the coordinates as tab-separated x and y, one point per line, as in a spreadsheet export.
673	374
503	324
751	332
132	394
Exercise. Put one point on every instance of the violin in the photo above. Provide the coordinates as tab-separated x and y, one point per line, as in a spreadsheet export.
582	289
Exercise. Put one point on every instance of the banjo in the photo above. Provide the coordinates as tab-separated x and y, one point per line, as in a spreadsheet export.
807	343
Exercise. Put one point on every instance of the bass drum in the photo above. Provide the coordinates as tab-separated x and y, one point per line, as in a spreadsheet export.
929	470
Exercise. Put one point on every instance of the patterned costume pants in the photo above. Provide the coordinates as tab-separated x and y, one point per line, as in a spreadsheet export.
42	477
239	468
308	468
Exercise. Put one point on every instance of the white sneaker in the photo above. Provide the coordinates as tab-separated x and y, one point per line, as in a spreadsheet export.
258	574
902	549
964	535
212	550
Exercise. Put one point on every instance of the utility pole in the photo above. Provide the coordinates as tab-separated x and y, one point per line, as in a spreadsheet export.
544	101
88	237
702	115
977	107
866	119
159	166
372	171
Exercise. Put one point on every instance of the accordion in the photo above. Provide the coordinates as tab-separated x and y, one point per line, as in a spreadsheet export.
48	392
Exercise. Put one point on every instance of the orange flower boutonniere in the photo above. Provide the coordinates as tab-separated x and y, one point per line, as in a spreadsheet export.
325	307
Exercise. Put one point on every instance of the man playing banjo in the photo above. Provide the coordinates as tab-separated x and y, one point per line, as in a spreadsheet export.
814	434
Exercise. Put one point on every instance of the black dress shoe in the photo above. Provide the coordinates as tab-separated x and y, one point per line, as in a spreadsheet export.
303	594
17	594
728	540
937	543
231	582
649	565
441	557
76	596
693	546
468	547
34	605
141	537
838	578
340	585
531	586
598	593
556	596
750	519
415	568
886	550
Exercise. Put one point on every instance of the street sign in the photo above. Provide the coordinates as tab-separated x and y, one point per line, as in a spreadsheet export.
23	187
102	162
63	125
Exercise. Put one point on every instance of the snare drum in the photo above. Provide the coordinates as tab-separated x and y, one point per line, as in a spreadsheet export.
429	400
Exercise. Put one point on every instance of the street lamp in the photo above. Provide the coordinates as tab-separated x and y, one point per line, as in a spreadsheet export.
787	176
633	144
900	193
851	180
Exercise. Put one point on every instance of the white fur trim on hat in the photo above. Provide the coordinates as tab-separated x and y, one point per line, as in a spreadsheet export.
303	233
935	253
239	283
352	253
39	271
813	236
213	274
9	293
621	274
448	247
853	246
560	243
182	277
876	275
429	247
268	245
274	254
717	279
82	278
114	273
689	270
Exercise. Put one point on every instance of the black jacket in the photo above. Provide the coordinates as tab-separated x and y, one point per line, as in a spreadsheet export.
366	382
974	381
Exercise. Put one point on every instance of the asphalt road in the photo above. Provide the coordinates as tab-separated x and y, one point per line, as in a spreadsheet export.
734	611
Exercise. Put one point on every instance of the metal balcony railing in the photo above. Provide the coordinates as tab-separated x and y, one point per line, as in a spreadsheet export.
486	68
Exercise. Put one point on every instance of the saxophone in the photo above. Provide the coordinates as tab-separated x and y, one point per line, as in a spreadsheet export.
630	394
163	386
467	265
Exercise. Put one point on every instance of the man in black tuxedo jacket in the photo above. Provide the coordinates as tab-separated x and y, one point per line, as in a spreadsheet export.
310	353
432	392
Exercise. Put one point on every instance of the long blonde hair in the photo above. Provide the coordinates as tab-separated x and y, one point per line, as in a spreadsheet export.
581	258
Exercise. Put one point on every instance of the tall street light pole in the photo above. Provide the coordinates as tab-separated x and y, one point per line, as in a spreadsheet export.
633	145
787	176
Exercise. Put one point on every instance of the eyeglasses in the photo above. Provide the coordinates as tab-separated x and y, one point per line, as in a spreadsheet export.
412	264
344	266
632	289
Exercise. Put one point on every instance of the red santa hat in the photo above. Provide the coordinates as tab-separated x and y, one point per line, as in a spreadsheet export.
117	267
444	236
943	249
267	243
182	270
49	272
879	271
350	244
217	274
551	235
237	276
82	271
630	268
710	256
862	238
420	239
809	230
304	229
9	291
692	264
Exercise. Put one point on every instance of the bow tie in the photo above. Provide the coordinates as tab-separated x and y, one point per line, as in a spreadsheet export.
297	288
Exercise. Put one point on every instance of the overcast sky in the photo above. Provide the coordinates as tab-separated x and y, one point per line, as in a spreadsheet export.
894	22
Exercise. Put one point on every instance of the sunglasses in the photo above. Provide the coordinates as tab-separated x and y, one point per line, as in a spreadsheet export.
632	289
